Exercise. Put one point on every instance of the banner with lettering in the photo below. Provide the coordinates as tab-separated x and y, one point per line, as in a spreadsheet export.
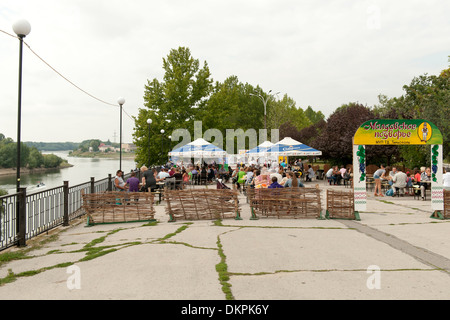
397	132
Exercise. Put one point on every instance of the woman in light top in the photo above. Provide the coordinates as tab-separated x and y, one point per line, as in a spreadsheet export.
377	176
292	180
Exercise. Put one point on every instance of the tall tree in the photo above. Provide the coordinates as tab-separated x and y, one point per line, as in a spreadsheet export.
285	110
231	106
426	97
171	104
314	116
336	139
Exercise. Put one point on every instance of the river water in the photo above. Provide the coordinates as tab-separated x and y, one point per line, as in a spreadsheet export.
82	171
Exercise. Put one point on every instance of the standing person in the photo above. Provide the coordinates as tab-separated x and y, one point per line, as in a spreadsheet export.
425	179
119	184
240	180
377	176
133	183
446	179
149	180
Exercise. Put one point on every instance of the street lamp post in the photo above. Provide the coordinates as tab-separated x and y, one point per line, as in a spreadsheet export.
120	101
265	104
149	122
22	28
162	135
170	146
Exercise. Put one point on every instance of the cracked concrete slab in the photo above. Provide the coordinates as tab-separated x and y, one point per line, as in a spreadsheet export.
315	259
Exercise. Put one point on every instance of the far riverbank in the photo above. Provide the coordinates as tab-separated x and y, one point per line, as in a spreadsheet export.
13	171
102	155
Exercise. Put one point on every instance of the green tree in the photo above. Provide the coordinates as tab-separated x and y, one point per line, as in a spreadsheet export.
51	161
35	158
314	116
426	97
231	106
172	103
285	110
336	139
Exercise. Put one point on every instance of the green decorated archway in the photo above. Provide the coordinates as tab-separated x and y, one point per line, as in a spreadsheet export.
397	132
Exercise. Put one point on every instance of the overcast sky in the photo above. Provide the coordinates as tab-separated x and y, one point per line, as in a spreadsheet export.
320	53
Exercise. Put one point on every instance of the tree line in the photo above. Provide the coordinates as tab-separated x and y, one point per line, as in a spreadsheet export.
30	157
187	93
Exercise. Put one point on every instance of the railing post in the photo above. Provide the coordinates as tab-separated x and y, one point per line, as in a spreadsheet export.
92	185
66	203
22	217
109	182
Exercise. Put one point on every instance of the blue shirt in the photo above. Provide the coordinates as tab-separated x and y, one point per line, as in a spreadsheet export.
275	185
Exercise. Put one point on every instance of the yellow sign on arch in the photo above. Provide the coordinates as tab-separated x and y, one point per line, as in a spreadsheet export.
397	132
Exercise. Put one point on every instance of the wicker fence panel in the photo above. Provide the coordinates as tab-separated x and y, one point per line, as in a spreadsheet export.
201	204
285	202
446	212
340	205
114	207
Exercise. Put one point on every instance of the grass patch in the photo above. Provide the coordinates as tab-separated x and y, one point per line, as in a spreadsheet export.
180	229
222	270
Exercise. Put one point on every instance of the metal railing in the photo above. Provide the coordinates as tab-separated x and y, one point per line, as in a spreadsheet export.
23	216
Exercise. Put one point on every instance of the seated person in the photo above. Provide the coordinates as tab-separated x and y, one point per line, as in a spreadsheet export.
399	180
391	175
330	176
310	174
163	174
275	183
337	175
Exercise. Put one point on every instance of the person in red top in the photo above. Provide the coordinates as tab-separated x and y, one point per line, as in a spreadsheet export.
416	175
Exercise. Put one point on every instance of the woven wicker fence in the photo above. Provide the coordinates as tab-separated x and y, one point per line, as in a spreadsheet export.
114	207
285	202
446	212
201	204
340	205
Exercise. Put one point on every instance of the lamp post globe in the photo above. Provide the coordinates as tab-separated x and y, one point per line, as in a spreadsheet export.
21	27
149	121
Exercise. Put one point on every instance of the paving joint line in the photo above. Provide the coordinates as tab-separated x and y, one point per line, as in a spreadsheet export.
423	255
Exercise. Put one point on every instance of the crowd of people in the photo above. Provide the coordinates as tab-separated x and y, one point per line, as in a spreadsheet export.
418	179
282	175
337	176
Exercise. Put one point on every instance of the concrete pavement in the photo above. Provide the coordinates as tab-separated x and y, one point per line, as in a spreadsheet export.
396	251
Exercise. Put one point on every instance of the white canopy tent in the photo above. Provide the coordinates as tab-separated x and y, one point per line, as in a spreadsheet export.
259	153
291	147
199	149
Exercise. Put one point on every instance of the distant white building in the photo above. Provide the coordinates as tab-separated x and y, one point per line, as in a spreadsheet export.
128	147
105	148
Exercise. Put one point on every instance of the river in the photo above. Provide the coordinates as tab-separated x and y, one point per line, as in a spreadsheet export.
82	171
